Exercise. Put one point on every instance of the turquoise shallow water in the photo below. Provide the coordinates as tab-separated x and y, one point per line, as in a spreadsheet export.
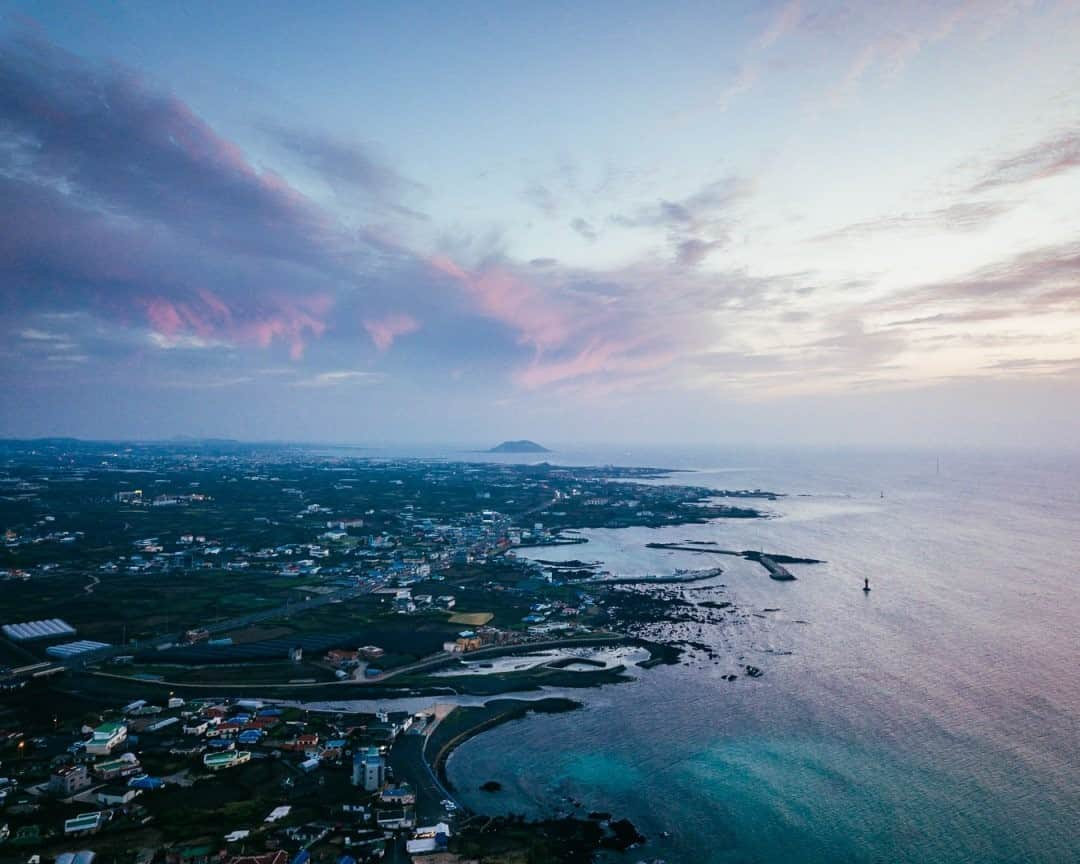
936	720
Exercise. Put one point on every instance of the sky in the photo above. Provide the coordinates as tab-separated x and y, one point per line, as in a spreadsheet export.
699	222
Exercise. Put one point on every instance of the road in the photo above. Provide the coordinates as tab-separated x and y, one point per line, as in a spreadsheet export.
407	760
434	660
539	508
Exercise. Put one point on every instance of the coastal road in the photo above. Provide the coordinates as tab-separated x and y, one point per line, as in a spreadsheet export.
539	508
428	662
396	852
407	760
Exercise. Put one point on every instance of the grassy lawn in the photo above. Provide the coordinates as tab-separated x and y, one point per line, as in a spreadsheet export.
473	619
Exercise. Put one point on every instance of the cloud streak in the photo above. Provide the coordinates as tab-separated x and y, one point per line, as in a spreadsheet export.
894	34
1048	158
964	216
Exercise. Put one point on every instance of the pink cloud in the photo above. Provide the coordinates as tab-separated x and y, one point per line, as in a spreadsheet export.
164	317
384	331
445	265
215	304
499	294
596	338
297	319
293	320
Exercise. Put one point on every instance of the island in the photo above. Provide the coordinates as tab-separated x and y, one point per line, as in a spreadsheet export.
522	446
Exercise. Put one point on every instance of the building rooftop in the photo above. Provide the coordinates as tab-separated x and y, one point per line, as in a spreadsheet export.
128	760
85	822
48	628
71	649
226	758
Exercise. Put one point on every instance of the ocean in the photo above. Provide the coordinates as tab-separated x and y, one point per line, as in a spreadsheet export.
935	719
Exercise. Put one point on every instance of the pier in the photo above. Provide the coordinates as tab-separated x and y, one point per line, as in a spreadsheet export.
776	571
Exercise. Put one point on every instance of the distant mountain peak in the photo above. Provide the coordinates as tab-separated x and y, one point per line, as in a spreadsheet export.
522	446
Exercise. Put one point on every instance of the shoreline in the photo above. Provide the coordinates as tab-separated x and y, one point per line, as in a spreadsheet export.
501	709
586	836
491	714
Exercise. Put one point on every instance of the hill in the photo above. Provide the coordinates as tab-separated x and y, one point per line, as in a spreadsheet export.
523	446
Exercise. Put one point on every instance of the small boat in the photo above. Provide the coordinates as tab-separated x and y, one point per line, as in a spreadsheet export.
866	585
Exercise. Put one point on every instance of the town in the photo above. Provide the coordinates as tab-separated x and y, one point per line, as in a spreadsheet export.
170	611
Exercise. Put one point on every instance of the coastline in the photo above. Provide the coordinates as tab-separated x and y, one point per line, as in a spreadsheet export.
583	837
466	722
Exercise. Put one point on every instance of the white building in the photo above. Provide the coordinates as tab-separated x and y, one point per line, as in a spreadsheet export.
369	771
107	737
428	839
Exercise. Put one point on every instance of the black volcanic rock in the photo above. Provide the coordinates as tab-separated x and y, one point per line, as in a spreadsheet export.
624	836
522	446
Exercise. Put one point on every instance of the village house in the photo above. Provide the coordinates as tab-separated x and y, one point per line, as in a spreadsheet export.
85	823
124	766
430	838
398	796
115	795
106	738
68	781
338	657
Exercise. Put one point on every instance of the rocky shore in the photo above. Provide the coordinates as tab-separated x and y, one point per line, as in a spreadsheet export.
566	838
